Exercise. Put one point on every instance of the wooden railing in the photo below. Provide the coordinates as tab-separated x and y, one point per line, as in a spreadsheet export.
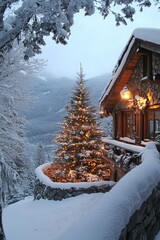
121	158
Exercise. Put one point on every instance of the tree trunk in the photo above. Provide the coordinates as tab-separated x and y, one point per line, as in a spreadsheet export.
2	235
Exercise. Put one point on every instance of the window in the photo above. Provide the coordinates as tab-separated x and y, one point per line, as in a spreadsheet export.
153	124
147	66
145	60
128	124
157	123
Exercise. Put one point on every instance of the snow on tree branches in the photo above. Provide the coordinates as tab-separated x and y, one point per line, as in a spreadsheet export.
15	74
80	148
81	134
31	20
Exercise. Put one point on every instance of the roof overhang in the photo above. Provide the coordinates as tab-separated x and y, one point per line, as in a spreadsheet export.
123	72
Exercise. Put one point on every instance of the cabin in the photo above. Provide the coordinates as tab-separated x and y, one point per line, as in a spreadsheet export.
133	94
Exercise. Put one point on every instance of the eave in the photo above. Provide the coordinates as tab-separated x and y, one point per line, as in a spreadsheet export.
124	71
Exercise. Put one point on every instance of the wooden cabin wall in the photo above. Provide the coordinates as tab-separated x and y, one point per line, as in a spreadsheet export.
149	88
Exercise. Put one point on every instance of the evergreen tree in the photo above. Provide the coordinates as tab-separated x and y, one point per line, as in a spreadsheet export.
16	169
11	182
40	157
79	143
15	74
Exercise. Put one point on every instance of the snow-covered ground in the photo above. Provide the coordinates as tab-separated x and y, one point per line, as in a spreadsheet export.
157	236
44	219
96	216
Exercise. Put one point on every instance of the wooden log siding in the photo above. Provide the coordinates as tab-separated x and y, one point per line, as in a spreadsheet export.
141	88
109	101
121	81
139	69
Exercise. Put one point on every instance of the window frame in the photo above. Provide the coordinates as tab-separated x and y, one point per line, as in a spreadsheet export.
155	123
125	121
147	66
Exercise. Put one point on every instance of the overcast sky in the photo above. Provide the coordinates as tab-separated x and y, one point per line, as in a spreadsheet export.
94	42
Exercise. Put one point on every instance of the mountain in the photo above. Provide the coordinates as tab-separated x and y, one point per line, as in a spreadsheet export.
51	95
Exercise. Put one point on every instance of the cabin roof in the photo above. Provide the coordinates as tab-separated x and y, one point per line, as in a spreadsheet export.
141	38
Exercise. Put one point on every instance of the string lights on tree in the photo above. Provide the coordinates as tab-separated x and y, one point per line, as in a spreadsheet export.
80	149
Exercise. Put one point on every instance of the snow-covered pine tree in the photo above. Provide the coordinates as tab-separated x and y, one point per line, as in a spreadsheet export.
17	170
10	185
10	182
79	142
40	157
15	74
13	144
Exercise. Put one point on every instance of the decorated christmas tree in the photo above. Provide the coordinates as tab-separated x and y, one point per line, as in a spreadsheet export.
79	156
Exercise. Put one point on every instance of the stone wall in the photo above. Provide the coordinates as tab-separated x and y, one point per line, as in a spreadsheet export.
50	193
145	222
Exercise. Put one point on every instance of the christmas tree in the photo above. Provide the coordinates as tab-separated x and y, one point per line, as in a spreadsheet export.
80	148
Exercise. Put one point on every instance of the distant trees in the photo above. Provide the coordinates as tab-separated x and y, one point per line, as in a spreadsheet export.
31	20
16	169
40	157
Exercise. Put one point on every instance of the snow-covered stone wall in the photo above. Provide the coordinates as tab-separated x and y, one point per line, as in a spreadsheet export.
145	222
55	193
47	189
130	210
117	208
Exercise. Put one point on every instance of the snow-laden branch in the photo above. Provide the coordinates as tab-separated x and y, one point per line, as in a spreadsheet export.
15	74
35	19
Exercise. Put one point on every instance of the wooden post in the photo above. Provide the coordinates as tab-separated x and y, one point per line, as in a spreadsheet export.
138	136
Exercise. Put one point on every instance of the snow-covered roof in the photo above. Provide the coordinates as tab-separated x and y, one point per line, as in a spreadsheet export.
148	34
151	35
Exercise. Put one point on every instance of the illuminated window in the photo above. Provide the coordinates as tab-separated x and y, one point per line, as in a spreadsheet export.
153	124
